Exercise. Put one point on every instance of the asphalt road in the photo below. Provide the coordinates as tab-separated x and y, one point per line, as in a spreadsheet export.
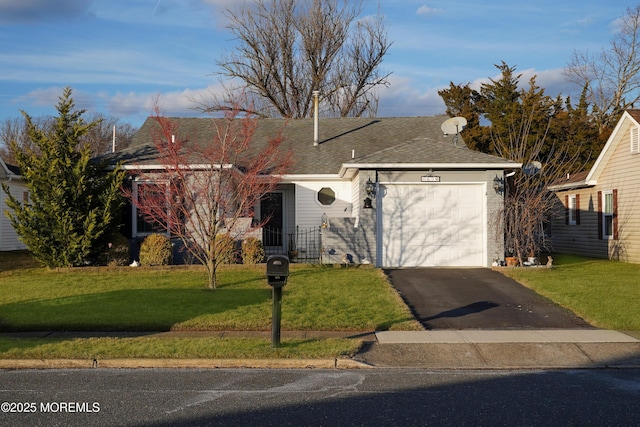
477	298
377	397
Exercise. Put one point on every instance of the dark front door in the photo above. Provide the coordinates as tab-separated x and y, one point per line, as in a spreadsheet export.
271	211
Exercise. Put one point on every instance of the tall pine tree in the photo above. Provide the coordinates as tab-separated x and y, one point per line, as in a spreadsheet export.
73	202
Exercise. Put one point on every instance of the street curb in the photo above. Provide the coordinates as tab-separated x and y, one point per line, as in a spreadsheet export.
15	364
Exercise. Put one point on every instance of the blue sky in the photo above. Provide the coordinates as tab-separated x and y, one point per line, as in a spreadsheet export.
119	55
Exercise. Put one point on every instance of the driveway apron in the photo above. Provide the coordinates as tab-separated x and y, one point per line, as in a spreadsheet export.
477	298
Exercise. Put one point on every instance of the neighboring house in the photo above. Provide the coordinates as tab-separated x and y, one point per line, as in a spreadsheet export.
434	202
599	210
10	176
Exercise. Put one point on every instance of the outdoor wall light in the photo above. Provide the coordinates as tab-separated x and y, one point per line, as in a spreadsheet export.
498	184
370	188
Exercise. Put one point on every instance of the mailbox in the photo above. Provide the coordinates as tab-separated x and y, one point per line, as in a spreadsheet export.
277	270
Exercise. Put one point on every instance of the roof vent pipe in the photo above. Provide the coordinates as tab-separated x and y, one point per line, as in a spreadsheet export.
315	117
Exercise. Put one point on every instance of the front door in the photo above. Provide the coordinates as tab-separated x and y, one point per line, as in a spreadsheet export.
271	211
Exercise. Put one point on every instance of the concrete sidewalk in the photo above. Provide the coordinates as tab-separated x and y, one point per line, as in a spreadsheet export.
503	349
504	336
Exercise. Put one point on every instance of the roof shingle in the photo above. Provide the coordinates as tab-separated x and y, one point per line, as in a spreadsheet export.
398	140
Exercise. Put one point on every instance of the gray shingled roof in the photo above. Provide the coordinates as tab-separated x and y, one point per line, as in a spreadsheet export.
398	140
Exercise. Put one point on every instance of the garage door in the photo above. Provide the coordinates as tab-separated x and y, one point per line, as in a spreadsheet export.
433	225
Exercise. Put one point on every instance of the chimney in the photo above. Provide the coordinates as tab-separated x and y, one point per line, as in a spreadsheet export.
113	141
315	117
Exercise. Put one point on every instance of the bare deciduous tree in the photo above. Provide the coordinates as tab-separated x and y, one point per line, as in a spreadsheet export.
290	48
528	204
204	190
611	76
14	133
99	137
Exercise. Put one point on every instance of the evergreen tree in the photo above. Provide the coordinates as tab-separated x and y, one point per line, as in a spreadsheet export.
499	103
73	202
463	101
574	126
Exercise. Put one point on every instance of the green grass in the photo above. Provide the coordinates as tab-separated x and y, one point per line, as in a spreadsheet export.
174	348
162	299
176	298
605	293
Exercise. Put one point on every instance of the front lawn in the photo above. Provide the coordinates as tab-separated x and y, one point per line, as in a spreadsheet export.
605	293
175	298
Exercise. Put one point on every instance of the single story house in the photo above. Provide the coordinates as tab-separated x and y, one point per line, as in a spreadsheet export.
10	177
393	192
598	211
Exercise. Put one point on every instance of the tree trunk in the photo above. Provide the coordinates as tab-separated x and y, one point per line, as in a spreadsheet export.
211	274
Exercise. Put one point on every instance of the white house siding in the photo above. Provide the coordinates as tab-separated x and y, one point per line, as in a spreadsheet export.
352	239
355	194
9	240
309	210
622	173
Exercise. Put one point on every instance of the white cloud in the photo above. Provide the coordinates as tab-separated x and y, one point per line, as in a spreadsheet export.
44	100
402	98
427	10
183	103
131	106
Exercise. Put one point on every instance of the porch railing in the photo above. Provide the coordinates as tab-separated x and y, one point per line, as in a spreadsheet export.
304	245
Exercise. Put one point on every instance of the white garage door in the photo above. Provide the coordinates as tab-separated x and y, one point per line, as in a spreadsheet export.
433	225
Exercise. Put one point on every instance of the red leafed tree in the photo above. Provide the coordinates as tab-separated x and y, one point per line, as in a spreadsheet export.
205	191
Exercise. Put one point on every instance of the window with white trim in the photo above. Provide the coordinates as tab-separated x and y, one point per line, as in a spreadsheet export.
572	210
326	196
635	140
149	192
607	214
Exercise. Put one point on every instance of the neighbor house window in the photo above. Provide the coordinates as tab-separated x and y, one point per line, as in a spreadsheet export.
25	197
572	204
326	196
608	214
635	140
150	192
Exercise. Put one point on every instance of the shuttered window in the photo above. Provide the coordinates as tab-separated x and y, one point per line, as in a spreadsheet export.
608	214
573	209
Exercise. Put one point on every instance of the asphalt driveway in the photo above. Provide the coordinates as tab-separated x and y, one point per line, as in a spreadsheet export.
477	298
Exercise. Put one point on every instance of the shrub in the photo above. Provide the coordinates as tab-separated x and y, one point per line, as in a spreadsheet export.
252	251
226	249
155	250
117	252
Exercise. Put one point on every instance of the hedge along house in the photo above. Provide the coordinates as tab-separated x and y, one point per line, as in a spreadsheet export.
393	192
598	211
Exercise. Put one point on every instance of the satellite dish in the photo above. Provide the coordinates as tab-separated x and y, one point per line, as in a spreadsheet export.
531	168
453	126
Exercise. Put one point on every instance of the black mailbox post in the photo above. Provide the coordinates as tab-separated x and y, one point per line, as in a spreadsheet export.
277	275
